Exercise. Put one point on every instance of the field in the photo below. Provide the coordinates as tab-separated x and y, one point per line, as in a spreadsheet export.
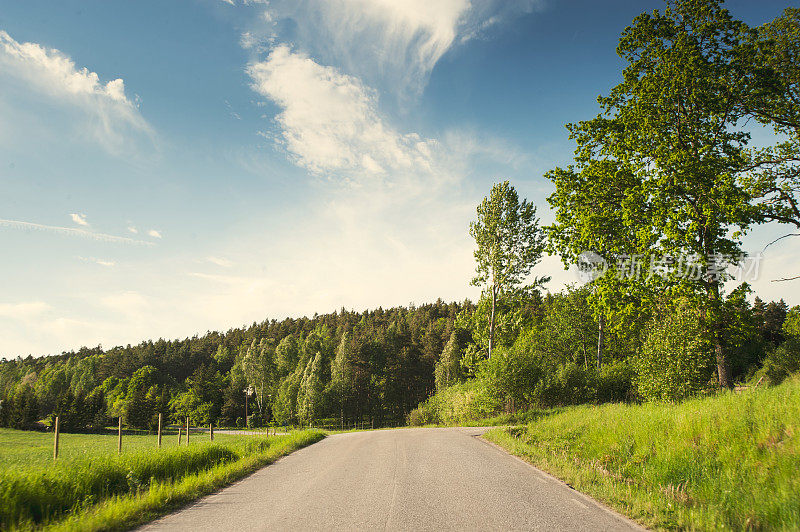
726	462
34	449
91	487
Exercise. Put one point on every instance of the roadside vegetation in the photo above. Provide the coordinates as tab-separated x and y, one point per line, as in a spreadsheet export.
730	461
94	488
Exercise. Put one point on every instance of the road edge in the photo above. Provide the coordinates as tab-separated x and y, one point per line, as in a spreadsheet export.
594	502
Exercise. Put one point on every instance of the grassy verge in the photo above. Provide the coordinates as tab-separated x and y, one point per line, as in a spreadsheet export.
731	461
109	492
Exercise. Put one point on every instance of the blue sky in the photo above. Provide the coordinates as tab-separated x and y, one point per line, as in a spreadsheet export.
168	168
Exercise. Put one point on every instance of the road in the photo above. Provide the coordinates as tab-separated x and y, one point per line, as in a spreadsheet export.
403	479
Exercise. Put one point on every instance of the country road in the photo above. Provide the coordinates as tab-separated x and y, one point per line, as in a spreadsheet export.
404	479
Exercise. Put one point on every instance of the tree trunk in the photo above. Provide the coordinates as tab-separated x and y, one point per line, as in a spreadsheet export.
717	339
600	339
491	321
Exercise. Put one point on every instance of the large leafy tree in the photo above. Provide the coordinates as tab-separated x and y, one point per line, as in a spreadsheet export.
510	242
665	170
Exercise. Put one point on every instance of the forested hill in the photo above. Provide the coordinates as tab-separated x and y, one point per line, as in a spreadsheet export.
347	364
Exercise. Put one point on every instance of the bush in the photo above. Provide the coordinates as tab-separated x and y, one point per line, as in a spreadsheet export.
674	362
615	382
458	404
566	384
783	361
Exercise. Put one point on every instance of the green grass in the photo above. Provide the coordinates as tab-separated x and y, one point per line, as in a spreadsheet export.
26	448
90	487
731	461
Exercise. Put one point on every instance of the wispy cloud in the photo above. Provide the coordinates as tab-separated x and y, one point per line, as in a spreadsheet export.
25	310
50	72
394	43
220	261
132	229
154	233
71	231
100	262
79	219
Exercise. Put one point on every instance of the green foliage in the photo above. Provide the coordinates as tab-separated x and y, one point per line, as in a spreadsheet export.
727	462
784	360
448	369
391	369
665	169
509	242
309	396
457	404
675	362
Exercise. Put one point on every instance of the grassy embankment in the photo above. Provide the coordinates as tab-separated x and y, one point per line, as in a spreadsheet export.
92	488
731	461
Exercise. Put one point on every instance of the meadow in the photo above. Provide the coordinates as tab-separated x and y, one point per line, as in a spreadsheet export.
91	487
729	461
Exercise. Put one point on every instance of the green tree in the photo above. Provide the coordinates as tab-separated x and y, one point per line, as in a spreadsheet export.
309	397
664	170
343	373
509	242
258	365
448	368
138	409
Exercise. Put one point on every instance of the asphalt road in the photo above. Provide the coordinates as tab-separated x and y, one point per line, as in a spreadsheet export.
404	479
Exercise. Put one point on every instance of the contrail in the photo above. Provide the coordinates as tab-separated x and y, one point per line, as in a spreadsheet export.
101	237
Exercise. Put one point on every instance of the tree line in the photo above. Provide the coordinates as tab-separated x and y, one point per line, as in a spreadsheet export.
348	366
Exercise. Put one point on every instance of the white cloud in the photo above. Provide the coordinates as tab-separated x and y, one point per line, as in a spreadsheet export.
397	43
132	229
79	219
70	231
112	114
154	233
100	262
220	261
23	311
330	122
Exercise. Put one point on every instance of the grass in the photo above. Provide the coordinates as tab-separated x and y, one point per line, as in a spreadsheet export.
731	461
20	448
92	488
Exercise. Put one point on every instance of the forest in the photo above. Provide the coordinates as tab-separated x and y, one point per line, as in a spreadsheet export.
665	183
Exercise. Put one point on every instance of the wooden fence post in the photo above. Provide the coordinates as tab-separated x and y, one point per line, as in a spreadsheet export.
179	435
55	441
159	431
187	430
211	430
119	437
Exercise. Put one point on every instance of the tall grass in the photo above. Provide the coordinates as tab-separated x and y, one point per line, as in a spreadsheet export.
34	496
731	461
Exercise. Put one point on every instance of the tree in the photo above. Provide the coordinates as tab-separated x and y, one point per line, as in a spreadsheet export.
138	409
259	370
343	372
774	100
670	167
309	397
509	242
448	369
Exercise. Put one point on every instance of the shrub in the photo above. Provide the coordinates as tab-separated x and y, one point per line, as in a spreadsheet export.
565	384
674	361
783	361
461	403
615	382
